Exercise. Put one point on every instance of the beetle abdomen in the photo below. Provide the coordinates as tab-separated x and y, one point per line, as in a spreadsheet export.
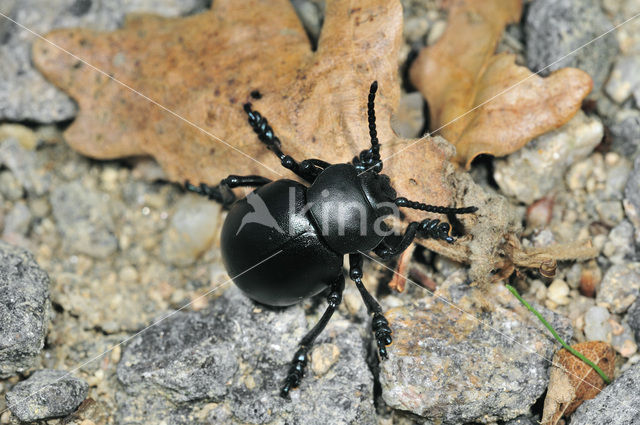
271	249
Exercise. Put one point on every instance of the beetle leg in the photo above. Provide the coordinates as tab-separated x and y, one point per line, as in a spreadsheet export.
433	229
266	135
379	324
222	193
299	361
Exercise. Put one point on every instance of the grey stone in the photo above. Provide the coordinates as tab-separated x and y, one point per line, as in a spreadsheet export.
624	80
620	287
617	404
625	132
22	163
24	309
523	420
451	367
619	247
18	219
554	28
631	200
596	324
633	319
84	220
10	187
46	394
191	231
24	93
311	13
539	167
226	364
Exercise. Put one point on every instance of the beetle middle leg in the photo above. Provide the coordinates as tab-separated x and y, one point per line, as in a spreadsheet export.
379	324
299	362
222	192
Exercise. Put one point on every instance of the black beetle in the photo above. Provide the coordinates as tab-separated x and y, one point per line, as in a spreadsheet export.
285	241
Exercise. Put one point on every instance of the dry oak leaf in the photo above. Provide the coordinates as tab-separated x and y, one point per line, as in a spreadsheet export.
205	66
460	72
573	381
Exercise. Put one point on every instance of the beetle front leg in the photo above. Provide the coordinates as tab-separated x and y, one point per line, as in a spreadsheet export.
300	358
379	324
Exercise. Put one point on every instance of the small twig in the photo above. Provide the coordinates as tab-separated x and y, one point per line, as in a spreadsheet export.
604	377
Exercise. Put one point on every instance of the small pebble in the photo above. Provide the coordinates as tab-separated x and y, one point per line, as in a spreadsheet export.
590	278
596	325
437	29
191	231
324	356
620	287
58	394
558	292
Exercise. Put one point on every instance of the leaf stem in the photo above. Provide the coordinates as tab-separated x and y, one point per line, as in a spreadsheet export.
557	337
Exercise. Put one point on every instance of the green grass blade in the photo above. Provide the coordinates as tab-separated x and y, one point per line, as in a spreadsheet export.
557	337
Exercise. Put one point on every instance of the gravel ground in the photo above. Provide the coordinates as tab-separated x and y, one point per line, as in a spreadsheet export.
94	251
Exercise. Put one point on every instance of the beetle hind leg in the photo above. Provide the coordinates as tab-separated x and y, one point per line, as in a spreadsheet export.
300	358
379	324
222	192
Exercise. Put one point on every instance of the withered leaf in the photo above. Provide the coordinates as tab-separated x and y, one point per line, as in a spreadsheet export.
573	381
459	73
204	68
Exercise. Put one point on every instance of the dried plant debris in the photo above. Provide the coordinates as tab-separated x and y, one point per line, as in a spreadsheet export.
204	67
573	381
460	73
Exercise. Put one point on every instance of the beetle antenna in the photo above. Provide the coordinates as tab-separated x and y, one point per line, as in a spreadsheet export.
371	112
404	202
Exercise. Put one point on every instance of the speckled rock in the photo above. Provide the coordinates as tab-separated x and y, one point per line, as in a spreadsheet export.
46	394
24	93
632	198
24	309
446	366
191	231
226	364
633	318
617	404
596	324
18	220
84	219
625	131
523	420
624	80
539	167
556	27
22	163
619	247
620	287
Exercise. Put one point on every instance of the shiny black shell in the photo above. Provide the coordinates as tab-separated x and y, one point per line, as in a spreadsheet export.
343	209
277	265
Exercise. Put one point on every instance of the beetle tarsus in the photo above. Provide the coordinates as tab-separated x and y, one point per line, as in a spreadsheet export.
299	361
379	324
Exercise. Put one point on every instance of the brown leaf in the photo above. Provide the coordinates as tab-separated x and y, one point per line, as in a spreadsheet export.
573	381
205	66
460	72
